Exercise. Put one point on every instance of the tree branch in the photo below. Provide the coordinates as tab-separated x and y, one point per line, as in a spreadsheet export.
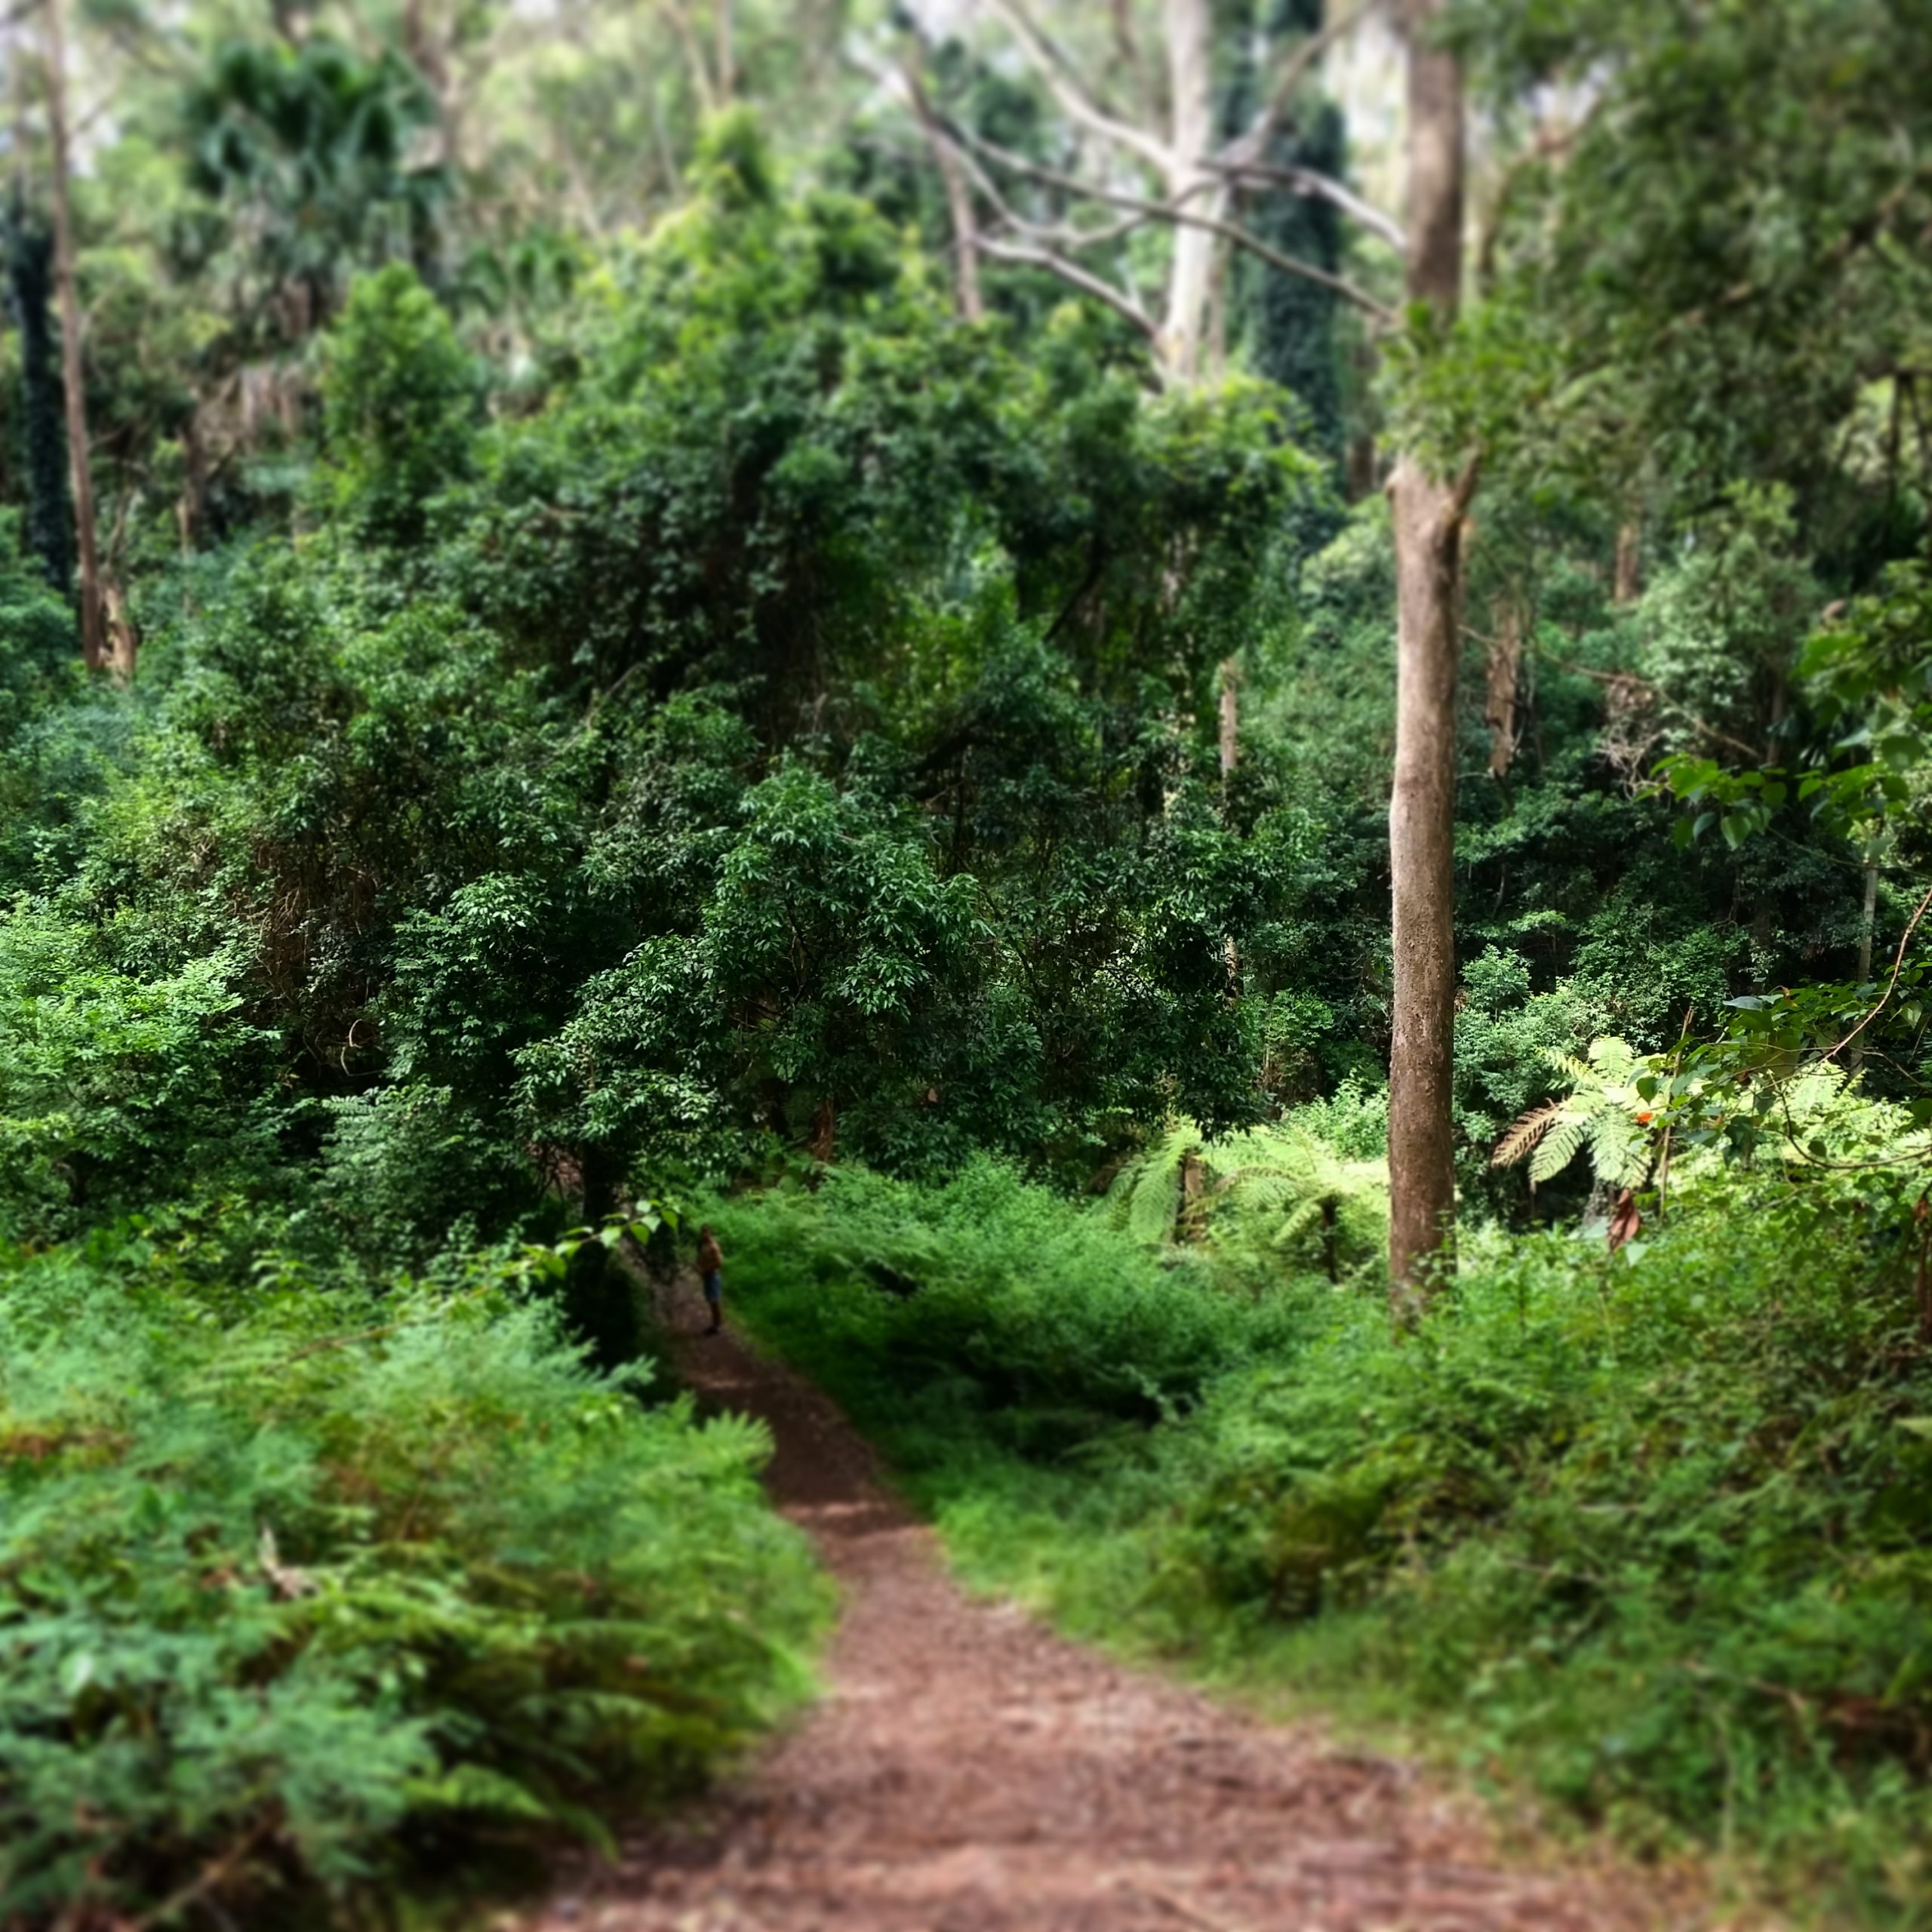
1317	186
1172	211
958	199
1252	141
1074	99
1071	272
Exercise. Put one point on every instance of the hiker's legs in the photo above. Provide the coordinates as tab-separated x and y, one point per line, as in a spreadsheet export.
714	1296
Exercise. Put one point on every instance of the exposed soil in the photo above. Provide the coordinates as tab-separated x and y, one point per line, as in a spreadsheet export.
968	1771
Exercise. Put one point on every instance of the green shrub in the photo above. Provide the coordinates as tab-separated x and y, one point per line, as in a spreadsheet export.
985	1308
115	1086
299	1581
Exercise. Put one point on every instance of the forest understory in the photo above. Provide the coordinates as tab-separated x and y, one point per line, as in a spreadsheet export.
962	1771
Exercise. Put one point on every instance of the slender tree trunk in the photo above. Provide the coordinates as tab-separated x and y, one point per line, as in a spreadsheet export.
725	30
94	626
1230	719
965	235
958	202
190	506
1504	670
1868	920
1628	586
1428	511
1427	515
1191	86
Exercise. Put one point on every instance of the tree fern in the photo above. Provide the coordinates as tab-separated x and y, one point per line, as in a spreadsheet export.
1603	1111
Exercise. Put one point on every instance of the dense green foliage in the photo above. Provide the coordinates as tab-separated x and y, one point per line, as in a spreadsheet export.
640	699
302	1578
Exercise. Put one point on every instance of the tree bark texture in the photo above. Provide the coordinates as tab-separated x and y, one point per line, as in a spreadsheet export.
1504	671
1435	165
94	622
965	235
1428	511
1191	89
1422	823
958	203
1628	583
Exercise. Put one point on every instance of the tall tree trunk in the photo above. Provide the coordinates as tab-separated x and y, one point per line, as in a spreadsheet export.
965	235
94	622
191	505
1190	88
1428	512
725	34
1868	920
1504	678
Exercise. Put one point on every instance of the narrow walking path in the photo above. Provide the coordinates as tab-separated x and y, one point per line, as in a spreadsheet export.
968	1771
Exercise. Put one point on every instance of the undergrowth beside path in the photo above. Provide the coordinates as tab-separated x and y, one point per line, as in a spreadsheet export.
967	1769
1646	1533
314	1592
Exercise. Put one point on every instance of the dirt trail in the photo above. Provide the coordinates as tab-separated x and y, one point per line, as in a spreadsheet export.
968	1771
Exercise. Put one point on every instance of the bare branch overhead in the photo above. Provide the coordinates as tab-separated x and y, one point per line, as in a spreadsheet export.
1073	273
1250	143
1172	211
1074	101
1313	183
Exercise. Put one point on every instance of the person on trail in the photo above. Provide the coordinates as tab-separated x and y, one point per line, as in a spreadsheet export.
711	1267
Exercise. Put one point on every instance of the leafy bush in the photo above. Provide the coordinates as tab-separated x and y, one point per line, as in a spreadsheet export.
1648	1528
984	1308
399	395
115	1086
299	1581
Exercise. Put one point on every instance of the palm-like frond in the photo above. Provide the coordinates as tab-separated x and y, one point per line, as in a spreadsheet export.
1559	1147
1523	1136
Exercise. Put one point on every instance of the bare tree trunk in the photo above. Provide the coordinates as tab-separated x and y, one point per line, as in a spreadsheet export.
1504	670
94	627
1230	720
958	202
1868	920
965	236
190	506
1435	165
1628	584
728	56
1428	512
124	635
1191	86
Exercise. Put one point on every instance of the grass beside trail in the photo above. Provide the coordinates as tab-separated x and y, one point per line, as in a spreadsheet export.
1651	1538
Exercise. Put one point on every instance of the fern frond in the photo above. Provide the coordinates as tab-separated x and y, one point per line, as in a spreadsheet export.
1304	1217
1618	1153
1614	1060
1567	1064
1528	1129
1559	1147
